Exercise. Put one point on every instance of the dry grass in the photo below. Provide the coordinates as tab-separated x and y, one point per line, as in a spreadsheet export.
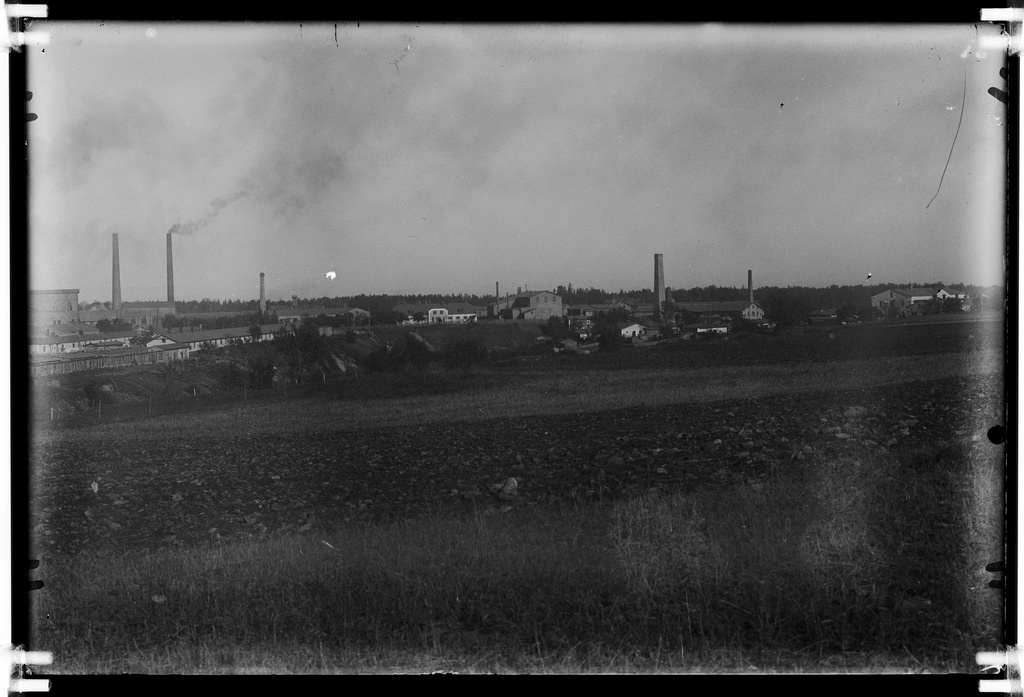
558	393
833	572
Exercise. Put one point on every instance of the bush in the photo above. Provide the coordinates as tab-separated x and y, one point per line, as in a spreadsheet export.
379	360
464	352
609	338
230	376
261	369
409	353
99	393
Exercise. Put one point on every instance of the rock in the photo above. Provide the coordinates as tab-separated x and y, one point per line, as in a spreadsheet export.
509	489
855	411
661	470
616	461
808	449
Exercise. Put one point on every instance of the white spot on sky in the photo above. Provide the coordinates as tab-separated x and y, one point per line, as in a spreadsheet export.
331	275
150	33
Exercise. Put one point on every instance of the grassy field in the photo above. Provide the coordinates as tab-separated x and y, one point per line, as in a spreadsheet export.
866	559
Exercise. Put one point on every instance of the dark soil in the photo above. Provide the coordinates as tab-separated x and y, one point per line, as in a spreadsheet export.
191	490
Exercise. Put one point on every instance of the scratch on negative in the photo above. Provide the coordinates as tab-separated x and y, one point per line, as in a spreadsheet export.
962	105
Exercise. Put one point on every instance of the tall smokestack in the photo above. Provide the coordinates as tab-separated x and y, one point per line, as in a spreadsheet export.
750	284
659	285
116	290
170	271
263	297
497	295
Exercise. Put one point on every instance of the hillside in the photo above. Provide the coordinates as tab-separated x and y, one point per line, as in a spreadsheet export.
211	380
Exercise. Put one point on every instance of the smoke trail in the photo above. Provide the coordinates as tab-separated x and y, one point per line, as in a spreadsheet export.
216	206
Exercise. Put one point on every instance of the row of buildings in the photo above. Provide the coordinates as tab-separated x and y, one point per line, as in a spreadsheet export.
905	302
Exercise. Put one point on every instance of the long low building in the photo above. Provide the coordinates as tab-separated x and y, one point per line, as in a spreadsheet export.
742	309
197	340
75	343
59	364
440	313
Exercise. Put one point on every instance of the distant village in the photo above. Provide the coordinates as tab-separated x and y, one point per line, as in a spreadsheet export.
66	335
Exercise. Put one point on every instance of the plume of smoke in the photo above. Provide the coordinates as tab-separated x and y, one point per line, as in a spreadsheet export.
213	210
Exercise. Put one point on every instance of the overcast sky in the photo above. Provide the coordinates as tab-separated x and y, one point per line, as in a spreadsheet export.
444	158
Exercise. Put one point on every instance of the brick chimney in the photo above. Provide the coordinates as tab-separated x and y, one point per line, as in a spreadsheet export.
116	290
170	271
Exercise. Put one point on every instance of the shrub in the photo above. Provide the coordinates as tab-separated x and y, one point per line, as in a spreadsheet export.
261	369
609	338
230	376
463	352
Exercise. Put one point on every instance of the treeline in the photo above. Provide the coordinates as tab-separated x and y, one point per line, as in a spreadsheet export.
184	307
246	319
781	303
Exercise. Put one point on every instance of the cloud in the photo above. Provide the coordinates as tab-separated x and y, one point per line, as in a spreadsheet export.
134	121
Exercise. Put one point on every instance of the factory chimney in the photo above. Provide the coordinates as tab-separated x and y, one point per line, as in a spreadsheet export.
659	285
116	291
263	297
170	271
750	284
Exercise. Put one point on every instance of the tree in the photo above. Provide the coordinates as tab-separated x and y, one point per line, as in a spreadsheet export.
609	338
302	348
463	352
556	328
952	305
414	352
260	367
255	332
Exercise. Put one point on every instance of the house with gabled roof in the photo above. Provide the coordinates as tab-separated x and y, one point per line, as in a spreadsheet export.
902	301
538	305
631	330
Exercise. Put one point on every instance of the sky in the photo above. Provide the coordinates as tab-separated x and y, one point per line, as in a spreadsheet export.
405	159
